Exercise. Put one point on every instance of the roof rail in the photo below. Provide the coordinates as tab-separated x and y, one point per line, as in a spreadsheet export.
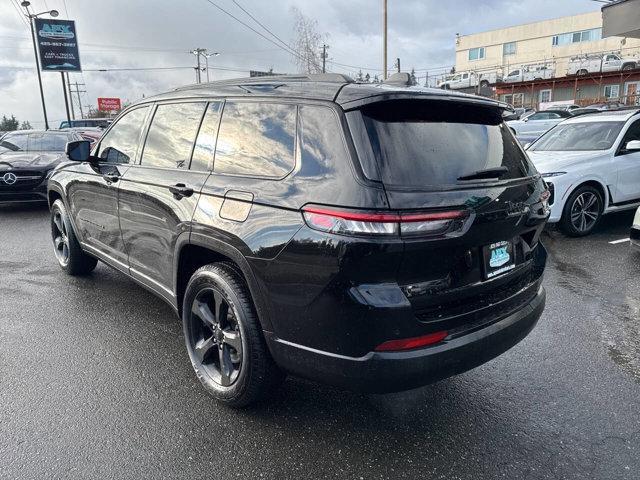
312	77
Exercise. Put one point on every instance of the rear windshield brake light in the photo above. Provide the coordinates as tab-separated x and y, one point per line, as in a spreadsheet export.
350	222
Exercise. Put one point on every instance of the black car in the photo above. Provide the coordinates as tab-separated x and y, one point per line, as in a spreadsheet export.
377	238
27	158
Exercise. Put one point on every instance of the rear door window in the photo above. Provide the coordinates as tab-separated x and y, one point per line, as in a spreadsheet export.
256	139
172	134
422	144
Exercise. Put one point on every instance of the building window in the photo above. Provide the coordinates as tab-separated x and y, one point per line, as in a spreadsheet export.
545	96
577	37
476	53
516	99
612	91
509	48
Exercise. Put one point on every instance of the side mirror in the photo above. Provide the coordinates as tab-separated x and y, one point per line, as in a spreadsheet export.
526	119
632	145
78	151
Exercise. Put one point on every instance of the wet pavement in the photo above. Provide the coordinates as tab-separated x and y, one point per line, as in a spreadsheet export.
95	383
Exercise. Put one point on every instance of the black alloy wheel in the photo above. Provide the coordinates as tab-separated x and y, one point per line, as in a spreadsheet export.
215	336
60	238
71	258
224	337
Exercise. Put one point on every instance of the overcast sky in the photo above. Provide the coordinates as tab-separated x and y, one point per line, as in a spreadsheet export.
160	33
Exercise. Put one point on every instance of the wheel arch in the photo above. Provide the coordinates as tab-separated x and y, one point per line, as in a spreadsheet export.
199	250
595	183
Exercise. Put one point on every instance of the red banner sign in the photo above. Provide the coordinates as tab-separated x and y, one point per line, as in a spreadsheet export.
109	104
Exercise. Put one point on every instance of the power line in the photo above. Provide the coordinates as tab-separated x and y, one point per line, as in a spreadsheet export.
287	49
262	25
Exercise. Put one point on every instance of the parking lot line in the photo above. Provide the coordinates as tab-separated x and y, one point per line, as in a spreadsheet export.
622	240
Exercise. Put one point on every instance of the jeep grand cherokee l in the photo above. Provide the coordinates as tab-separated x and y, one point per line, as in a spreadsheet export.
373	237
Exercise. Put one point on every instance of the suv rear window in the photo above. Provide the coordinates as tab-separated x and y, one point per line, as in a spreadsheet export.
421	143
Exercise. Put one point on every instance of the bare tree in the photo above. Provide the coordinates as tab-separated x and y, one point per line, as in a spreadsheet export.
307	43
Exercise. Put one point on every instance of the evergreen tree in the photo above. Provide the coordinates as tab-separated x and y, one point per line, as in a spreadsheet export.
9	124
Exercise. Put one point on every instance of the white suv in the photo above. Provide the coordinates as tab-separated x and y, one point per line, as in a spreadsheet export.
592	166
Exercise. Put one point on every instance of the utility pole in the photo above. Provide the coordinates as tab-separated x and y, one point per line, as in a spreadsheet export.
73	113
398	64
197	52
384	41
324	58
77	91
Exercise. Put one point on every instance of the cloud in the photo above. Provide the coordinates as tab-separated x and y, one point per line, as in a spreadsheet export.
137	33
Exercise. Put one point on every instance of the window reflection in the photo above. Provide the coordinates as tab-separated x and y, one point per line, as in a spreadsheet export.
121	142
256	139
206	142
171	135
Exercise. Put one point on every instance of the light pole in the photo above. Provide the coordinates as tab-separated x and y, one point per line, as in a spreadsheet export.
54	13
206	61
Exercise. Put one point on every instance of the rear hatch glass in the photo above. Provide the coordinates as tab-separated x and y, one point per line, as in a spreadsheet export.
431	144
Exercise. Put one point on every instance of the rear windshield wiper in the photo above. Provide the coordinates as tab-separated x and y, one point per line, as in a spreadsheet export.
496	172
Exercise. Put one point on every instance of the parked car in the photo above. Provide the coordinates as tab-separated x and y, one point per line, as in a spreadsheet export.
567	107
517	113
92	134
86	123
584	111
470	79
537	123
592	166
634	235
611	62
602	106
528	73
27	158
308	224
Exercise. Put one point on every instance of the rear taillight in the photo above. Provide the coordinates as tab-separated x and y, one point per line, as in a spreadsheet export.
411	343
349	222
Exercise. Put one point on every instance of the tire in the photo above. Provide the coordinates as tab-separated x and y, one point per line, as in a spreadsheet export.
580	201
484	83
628	66
582	72
71	258
224	338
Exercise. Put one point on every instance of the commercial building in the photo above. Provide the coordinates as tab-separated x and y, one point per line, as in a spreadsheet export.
552	43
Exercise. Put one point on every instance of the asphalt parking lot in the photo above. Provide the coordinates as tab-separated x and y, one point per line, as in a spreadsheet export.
95	383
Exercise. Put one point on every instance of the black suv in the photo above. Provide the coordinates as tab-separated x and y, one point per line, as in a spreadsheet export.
374	237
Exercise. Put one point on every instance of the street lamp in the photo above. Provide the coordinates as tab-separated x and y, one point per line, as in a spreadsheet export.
54	13
206	61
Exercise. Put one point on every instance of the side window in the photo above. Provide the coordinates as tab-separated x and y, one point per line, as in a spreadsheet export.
119	145
633	133
256	139
538	116
322	148
171	135
206	143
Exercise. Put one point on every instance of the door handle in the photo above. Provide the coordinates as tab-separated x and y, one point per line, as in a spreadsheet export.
111	178
180	190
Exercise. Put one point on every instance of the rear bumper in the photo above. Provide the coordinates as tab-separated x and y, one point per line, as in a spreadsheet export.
378	372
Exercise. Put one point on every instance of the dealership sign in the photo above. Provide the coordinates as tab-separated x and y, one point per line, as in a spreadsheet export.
57	45
109	104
